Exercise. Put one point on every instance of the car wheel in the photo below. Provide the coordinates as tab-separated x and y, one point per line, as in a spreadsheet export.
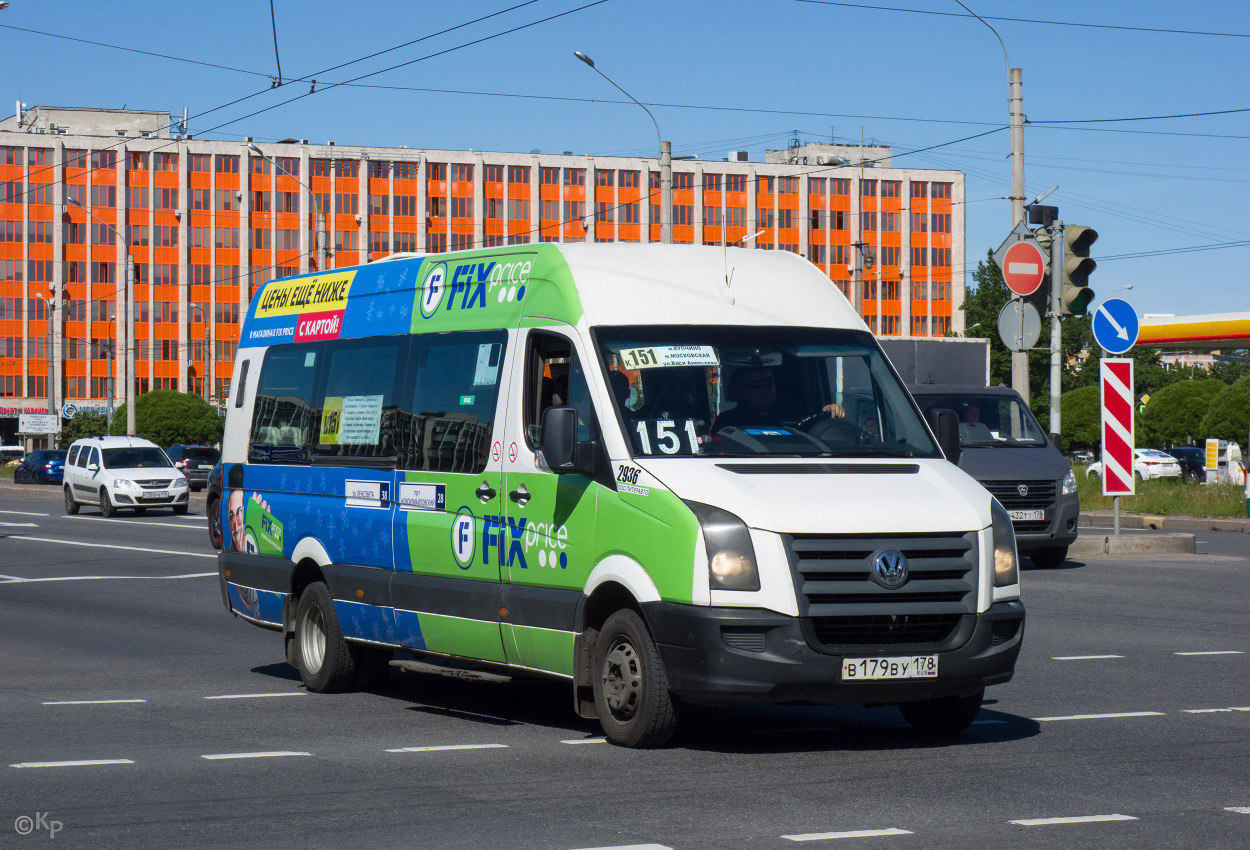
214	523
944	715
71	506
324	659
1049	557
106	504
631	691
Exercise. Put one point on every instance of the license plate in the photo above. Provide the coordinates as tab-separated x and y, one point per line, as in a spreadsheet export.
904	667
1021	516
153	494
205	466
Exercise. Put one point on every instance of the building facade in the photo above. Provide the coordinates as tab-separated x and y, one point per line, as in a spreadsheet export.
205	223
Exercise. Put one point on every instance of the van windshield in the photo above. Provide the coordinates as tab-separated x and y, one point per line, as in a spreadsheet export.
682	391
994	421
135	457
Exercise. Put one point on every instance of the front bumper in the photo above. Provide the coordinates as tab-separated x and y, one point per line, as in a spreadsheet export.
703	668
134	498
1060	531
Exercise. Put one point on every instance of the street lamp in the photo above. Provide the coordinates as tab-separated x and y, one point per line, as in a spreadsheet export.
128	323
666	157
319	240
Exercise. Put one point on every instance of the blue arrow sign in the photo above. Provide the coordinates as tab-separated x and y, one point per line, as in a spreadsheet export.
1116	325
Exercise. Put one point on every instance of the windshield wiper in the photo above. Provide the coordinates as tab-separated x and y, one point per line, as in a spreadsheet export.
877	452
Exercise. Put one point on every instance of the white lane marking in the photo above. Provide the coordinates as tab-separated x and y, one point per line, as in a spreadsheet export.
449	747
260	696
19	524
858	833
1216	652
1085	819
18	580
82	763
1102	716
131	522
111	546
1217	710
631	847
274	754
93	701
22	513
1083	657
585	741
1240	810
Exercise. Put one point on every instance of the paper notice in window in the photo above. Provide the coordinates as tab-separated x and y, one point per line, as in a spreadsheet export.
487	372
352	420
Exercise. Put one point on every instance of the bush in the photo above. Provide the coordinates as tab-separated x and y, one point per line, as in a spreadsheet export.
1081	417
1175	413
1228	417
85	425
167	417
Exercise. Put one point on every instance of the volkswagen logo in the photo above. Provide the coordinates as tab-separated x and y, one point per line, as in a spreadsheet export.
1022	490
889	569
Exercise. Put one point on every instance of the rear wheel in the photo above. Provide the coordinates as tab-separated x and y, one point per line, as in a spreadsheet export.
71	506
944	715
1050	557
635	706
106	504
324	659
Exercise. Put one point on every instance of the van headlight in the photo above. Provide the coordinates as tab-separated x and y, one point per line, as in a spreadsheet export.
179	483
1069	483
730	555
1006	563
123	484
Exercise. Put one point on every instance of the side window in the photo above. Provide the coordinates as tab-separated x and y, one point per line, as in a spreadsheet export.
555	377
72	458
454	380
282	420
95	457
358	403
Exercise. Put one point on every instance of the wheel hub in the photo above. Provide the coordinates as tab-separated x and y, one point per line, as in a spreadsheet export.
622	680
312	640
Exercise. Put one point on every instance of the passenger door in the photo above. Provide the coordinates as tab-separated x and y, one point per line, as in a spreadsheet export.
549	519
446	588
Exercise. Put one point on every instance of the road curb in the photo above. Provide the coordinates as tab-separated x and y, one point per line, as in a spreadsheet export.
1105	519
1090	545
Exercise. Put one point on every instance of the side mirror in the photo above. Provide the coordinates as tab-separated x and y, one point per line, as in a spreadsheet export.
945	425
93	467
560	448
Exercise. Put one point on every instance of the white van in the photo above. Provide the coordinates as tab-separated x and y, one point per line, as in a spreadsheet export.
664	474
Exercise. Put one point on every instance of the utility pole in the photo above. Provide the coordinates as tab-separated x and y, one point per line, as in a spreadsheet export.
208	361
112	352
863	259
1015	96
51	367
129	309
1056	308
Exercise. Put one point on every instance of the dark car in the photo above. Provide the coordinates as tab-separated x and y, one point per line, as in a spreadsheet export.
195	462
42	466
1193	461
213	506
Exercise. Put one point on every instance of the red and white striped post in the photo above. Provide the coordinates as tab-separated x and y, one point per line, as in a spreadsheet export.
1117	430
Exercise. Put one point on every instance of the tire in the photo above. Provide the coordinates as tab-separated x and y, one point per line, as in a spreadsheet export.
944	715
324	659
180	509
71	505
1050	557
106	504
214	523
635	706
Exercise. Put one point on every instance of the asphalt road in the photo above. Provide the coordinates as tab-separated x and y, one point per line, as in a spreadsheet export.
137	712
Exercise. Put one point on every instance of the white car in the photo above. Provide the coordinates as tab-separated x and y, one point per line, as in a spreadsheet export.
122	472
1147	464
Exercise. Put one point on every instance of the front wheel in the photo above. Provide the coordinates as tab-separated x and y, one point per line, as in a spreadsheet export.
106	504
635	706
944	715
71	506
324	659
1050	557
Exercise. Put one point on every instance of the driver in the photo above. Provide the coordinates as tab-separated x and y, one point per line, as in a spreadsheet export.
755	391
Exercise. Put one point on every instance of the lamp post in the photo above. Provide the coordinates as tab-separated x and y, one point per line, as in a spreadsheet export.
319	240
128	326
51	300
666	157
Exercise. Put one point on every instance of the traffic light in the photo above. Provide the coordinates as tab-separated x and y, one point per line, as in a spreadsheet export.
1077	267
1041	298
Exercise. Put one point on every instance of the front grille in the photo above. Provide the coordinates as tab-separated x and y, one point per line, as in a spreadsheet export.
154	484
1041	494
844	606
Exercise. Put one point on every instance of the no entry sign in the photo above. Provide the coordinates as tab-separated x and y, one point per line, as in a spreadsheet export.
1023	268
1117	426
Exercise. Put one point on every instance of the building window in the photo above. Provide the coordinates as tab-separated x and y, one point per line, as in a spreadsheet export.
683	180
919	189
941	222
200	162
891	188
891	222
493	173
942	257
788	185
348	167
711	216
868	188
549	176
817	186
919	222
942	190
920	256
462	208
785	217
519	208
868	221
605	211
763	217
319	167
735	182
403	170
764	184
435	243
225	164
462	172
518	174
605	177
890	255
683	214
104	159
347	204
493	208
628	179
574	177
165	162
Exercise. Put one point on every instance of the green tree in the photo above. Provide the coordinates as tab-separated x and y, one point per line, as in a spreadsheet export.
1174	414
981	307
1228	417
167	417
1230	373
1081	417
83	425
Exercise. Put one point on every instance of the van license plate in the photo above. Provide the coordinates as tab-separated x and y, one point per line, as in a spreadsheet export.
150	494
1022	516
906	667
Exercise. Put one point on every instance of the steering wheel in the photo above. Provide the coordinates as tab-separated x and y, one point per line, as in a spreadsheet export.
821	426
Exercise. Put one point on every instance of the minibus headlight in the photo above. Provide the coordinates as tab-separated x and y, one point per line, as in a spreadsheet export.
730	555
1006	563
1069	483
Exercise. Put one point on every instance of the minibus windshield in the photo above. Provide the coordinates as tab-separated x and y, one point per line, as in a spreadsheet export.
738	391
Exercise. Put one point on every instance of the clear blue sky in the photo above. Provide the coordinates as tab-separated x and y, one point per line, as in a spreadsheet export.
728	75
